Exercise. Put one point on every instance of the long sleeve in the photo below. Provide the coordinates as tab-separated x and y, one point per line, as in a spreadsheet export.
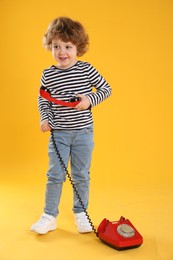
44	106
103	90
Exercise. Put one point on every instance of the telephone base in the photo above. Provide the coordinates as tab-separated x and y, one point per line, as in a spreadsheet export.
120	248
121	235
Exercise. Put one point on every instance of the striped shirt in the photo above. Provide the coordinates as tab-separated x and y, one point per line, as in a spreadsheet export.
64	84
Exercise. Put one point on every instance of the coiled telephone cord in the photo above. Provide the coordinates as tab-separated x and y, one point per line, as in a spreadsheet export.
72	183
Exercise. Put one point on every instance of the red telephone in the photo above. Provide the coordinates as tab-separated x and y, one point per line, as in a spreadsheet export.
120	234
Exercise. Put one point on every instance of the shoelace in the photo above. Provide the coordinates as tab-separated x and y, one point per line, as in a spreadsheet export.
44	219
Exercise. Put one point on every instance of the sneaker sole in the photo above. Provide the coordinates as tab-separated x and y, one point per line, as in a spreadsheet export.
84	231
42	232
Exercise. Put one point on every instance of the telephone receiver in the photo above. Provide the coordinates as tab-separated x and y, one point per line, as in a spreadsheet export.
120	234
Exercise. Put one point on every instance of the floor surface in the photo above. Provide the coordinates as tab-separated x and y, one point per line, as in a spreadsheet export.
147	206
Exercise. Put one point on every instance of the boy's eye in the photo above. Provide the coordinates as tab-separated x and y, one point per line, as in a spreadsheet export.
55	46
68	47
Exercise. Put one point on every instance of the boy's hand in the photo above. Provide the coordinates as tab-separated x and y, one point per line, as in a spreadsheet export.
44	126
83	104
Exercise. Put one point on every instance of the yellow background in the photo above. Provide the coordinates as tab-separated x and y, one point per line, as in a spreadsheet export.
131	45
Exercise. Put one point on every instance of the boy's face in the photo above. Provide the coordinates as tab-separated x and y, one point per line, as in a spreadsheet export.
64	53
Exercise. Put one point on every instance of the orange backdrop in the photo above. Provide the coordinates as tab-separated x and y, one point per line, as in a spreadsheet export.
131	45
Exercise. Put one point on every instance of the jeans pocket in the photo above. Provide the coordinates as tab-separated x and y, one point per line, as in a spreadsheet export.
89	129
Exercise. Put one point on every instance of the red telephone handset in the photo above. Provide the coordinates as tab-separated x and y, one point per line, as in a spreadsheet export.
120	234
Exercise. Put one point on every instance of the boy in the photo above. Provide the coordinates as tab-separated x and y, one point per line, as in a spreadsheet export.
72	127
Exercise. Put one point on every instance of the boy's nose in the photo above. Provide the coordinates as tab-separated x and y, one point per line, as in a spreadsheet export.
62	50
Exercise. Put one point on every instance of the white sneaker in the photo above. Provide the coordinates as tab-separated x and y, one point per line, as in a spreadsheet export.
82	222
45	224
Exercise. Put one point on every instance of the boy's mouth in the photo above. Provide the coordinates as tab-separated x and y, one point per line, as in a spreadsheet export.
63	58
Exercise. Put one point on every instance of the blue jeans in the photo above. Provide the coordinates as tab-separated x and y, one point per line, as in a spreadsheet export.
75	146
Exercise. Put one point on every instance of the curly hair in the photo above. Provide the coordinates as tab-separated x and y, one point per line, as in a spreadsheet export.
67	30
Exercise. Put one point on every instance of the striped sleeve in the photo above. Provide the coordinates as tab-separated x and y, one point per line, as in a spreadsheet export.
44	106
103	90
